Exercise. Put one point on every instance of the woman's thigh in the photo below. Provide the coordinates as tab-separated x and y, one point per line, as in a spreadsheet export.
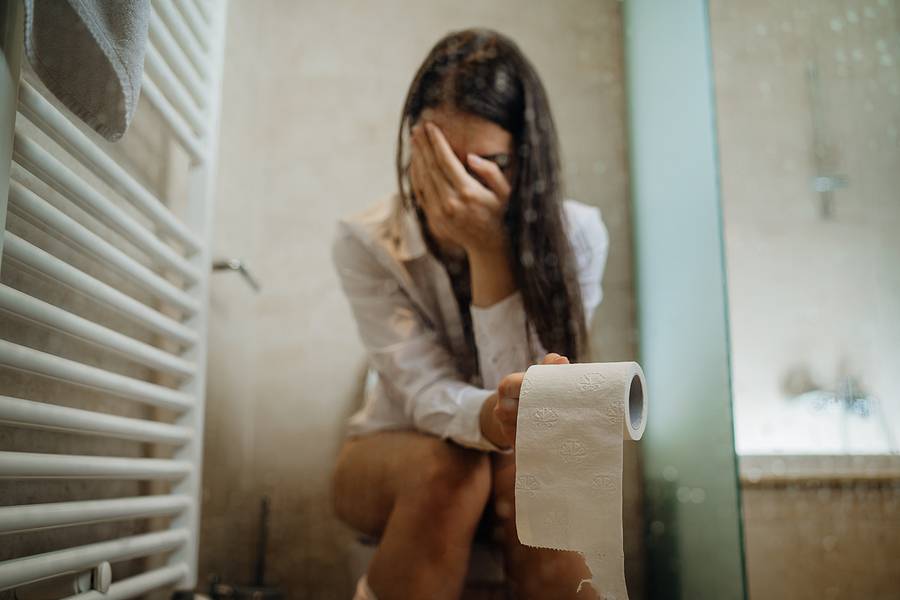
372	471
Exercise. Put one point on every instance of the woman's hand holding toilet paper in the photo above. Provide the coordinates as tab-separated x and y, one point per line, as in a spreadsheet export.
500	411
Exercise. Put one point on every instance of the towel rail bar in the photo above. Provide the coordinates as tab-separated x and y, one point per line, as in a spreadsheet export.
52	122
176	59
18	249
203	7
40	415
183	35
134	587
21	571
36	208
195	22
177	125
14	519
39	162
35	361
34	465
28	307
153	240
168	83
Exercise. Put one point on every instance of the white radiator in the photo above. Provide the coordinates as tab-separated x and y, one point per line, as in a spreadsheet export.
138	256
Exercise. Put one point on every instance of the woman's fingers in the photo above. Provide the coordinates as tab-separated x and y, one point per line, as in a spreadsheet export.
448	172
450	178
510	386
427	199
427	181
421	183
415	179
507	407
446	195
555	359
490	172
445	159
427	150
465	186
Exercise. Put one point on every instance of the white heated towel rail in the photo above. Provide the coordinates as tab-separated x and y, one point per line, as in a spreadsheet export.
167	261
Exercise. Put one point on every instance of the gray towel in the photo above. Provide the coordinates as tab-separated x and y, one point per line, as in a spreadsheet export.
90	54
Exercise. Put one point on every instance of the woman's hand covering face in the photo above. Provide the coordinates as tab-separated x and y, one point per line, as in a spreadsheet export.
459	208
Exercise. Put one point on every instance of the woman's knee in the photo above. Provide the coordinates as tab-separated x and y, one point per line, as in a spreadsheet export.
341	497
356	496
453	479
425	473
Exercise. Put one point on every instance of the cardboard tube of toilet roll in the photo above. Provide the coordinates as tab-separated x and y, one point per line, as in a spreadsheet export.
571	424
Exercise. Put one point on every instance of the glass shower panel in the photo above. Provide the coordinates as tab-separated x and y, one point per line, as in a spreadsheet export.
693	515
808	98
809	109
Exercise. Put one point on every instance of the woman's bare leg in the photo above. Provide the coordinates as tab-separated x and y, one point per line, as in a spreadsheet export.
536	573
424	497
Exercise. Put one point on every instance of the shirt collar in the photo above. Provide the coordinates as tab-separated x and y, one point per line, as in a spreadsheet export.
407	235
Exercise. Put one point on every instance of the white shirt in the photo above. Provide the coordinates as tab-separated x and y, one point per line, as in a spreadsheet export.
409	322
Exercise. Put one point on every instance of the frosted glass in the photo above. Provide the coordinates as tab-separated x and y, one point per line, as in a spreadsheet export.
693	505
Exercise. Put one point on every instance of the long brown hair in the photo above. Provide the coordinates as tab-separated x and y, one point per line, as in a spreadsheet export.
483	73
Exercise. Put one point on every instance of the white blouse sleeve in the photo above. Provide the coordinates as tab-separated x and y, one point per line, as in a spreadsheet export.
413	365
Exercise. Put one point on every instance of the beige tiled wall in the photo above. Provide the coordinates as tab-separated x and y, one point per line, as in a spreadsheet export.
312	97
817	541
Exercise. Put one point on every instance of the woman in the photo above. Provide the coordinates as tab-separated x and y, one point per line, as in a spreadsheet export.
471	274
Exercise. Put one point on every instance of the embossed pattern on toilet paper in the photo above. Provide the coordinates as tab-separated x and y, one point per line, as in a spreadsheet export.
571	424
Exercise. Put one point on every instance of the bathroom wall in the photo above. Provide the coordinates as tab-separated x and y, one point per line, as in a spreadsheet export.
816	540
312	95
810	88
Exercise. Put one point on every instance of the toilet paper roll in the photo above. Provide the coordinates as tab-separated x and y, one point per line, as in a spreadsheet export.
572	423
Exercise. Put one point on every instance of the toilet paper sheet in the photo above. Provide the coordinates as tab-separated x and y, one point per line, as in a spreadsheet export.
572	422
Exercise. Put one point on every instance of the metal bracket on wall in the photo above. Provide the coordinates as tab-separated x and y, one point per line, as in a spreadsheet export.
235	264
